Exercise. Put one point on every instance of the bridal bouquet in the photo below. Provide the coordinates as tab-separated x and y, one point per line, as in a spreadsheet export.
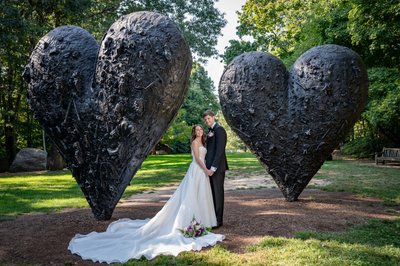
194	229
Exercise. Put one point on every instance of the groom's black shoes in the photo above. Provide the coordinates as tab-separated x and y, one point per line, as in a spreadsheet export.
218	226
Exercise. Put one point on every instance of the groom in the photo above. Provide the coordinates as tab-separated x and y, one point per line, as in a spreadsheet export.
216	162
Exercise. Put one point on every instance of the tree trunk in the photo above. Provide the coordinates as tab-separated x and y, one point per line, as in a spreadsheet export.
29	120
54	160
11	149
10	117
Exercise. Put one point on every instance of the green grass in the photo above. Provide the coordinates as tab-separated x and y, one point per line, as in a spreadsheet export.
158	171
39	193
364	180
244	163
53	191
375	243
161	170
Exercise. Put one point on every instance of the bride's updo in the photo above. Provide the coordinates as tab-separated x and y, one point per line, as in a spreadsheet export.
203	138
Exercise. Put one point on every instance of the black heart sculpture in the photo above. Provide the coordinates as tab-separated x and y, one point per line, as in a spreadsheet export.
292	121
106	107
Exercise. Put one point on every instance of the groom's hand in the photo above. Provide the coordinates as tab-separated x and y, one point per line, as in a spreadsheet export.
210	172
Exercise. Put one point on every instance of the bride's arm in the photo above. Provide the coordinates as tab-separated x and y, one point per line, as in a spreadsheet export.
196	153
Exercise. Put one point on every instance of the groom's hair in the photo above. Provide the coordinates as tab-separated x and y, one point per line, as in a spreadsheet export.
208	112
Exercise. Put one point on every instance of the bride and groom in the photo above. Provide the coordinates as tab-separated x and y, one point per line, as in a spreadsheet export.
199	195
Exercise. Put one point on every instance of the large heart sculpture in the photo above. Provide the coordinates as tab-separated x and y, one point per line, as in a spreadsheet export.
292	121
106	107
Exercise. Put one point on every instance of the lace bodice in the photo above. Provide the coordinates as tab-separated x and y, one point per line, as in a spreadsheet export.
203	152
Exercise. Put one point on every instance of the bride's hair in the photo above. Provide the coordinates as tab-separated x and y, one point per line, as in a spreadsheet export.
203	138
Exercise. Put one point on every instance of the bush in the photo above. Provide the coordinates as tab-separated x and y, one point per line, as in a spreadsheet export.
180	147
363	147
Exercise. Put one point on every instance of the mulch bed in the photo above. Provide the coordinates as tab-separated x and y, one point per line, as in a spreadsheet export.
249	215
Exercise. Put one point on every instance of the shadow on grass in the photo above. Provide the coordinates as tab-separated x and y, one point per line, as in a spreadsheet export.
249	215
374	243
374	233
22	200
364	180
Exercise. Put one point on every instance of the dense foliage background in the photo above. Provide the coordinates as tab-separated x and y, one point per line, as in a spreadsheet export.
23	23
288	28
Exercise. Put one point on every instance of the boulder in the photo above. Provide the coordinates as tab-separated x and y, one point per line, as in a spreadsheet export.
29	159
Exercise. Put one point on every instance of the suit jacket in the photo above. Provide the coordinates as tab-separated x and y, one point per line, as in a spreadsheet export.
216	144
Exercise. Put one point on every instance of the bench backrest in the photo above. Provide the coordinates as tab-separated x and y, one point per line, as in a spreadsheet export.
390	152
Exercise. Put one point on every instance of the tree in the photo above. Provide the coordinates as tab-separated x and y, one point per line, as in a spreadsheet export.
200	21
233	141
379	125
287	28
200	97
237	47
325	23
23	23
383	109
177	137
371	28
275	25
375	26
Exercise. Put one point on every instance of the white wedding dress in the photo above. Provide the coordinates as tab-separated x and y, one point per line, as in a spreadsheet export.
131	239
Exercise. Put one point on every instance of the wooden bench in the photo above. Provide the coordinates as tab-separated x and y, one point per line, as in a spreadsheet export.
389	155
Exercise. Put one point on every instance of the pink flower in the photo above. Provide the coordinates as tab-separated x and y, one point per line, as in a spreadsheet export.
194	229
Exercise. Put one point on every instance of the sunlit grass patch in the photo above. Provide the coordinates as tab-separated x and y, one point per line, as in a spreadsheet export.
375	243
50	191
364	180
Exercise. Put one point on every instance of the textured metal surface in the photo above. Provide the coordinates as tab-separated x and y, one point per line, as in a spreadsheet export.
293	120
106	107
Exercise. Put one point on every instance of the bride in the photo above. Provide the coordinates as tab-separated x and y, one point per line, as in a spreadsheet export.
131	239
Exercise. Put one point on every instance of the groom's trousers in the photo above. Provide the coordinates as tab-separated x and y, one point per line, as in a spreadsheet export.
217	187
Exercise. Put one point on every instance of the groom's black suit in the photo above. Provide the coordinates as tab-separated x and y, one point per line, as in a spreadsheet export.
216	157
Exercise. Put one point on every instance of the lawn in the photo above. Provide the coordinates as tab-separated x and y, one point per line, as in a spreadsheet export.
375	243
52	191
365	180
